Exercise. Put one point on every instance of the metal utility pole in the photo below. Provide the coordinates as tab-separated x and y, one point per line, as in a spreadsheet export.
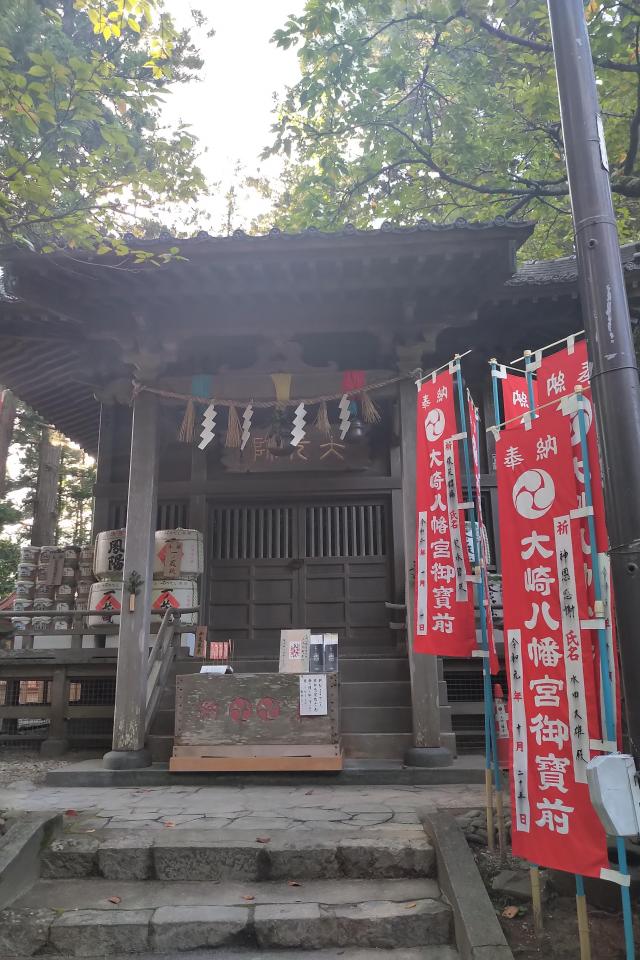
614	379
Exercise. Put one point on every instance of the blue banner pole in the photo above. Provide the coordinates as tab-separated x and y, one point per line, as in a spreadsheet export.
491	751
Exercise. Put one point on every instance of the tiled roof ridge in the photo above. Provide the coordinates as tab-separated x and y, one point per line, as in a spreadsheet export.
565	269
349	230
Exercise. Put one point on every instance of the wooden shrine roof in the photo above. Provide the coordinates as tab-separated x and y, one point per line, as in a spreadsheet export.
70	322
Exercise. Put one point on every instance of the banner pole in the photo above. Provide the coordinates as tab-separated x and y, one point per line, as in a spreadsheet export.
536	900
529	376
607	692
583	919
494	390
491	752
499	794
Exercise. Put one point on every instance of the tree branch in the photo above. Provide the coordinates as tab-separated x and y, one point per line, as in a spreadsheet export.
634	128
543	47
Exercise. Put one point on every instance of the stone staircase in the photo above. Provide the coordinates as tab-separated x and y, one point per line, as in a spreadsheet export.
354	893
375	707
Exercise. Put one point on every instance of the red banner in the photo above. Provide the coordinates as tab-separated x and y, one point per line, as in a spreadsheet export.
515	399
481	535
444	615
553	705
558	375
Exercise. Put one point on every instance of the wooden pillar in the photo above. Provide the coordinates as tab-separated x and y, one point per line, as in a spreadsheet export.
103	467
427	749
56	743
198	518
131	679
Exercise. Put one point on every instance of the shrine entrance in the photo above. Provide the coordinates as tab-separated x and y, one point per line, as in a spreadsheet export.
324	565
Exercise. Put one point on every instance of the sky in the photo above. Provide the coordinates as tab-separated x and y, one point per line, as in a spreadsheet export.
230	107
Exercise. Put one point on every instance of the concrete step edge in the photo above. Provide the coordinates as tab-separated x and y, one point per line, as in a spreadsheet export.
440	952
103	933
211	855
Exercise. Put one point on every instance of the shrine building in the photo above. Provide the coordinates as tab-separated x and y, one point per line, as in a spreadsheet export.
318	536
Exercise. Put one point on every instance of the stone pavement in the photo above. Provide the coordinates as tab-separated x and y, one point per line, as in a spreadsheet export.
237	806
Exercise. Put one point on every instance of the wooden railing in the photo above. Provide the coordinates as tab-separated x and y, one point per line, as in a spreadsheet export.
161	657
63	697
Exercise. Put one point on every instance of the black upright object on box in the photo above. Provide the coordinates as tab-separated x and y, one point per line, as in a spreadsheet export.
316	653
330	652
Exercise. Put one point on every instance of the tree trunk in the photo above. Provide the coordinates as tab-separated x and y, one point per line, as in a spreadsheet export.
45	508
7	419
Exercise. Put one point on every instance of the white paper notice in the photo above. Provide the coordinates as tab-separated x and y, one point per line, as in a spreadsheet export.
313	695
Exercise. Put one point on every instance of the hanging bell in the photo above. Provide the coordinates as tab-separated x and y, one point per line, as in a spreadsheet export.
357	433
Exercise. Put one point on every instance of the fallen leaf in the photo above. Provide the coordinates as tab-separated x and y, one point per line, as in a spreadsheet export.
294	883
71	813
114	899
263	839
247	896
168	823
510	912
410	906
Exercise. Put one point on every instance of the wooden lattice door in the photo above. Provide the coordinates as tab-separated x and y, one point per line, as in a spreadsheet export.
320	565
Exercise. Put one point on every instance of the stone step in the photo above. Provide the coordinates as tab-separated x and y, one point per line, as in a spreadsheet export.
210	854
372	720
76	917
441	952
376	746
395	693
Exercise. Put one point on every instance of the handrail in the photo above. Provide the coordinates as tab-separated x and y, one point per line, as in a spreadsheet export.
160	658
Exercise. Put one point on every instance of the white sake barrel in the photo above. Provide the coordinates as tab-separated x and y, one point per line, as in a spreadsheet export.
26	570
48	553
43	603
108	558
29	554
177	593
167	594
190	546
106	595
24	589
86	555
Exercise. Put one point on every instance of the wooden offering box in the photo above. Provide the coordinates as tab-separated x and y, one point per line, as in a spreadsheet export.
238	722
